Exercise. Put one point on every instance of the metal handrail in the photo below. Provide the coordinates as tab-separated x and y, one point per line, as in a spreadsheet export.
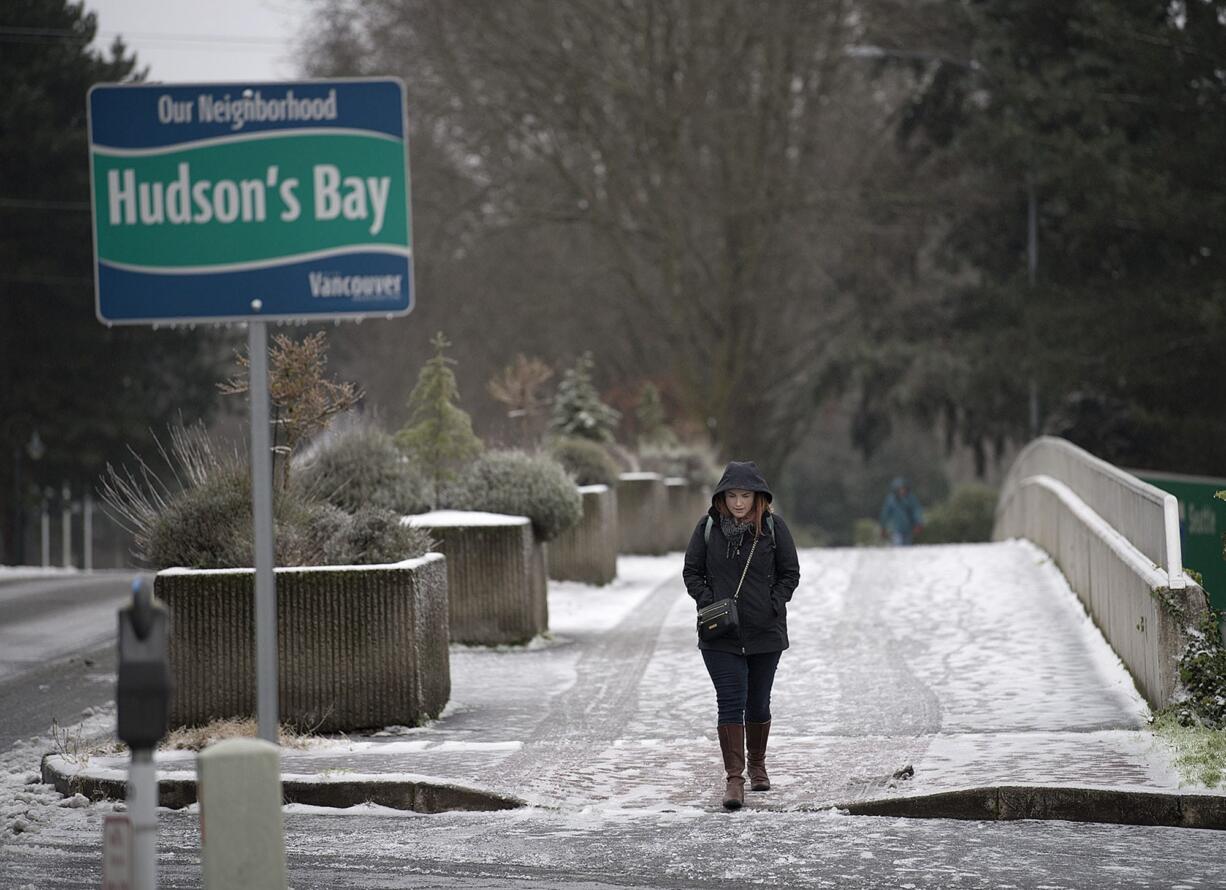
1145	515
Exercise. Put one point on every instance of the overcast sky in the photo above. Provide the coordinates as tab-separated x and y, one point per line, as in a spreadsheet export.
206	40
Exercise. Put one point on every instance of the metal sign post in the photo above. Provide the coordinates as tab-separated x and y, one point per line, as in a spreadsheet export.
261	500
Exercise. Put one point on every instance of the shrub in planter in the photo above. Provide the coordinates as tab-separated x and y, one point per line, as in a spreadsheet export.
362	467
967	516
693	463
208	524
584	459
377	536
520	484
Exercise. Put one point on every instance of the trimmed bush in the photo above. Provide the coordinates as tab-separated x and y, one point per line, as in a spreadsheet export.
520	484
584	459
377	536
362	467
692	463
967	516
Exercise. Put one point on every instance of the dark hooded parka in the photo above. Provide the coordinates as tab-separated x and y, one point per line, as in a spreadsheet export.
712	570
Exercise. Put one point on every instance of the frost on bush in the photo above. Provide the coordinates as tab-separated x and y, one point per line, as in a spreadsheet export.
378	536
207	523
1202	673
512	482
577	407
586	460
438	436
693	463
362	467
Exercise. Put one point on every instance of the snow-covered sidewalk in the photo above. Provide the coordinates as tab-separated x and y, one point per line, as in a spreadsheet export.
973	665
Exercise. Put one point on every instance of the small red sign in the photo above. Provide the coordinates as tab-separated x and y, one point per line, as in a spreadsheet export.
117	853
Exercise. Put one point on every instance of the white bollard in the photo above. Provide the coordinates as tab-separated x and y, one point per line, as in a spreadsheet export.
242	834
66	525
87	521
46	536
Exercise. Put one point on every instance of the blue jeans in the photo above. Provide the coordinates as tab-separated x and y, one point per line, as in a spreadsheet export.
742	685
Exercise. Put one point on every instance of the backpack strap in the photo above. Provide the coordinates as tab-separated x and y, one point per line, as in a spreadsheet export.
706	532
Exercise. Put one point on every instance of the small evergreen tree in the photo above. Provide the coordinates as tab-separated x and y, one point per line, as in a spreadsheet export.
577	408
438	435
653	429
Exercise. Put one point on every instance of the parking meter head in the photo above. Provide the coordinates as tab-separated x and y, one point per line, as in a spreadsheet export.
145	684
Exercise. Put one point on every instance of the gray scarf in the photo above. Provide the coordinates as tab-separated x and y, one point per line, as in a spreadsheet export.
733	529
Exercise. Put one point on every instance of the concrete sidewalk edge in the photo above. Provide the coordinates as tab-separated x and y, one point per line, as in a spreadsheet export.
402	794
1071	804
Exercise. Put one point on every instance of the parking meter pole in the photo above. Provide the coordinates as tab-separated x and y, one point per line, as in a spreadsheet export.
142	810
261	496
142	692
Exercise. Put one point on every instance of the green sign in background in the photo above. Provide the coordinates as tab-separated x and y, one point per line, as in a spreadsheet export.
1202	521
168	245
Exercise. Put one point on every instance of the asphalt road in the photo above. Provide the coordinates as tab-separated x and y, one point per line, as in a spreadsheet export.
57	649
545	849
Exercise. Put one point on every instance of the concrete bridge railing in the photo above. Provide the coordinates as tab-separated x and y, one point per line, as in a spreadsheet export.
1147	517
1116	539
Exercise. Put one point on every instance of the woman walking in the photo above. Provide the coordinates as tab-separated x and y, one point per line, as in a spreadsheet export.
743	552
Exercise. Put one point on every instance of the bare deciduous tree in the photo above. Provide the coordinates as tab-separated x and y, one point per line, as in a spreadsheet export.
304	399
715	153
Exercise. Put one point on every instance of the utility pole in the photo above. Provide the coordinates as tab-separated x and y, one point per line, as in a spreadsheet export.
1032	268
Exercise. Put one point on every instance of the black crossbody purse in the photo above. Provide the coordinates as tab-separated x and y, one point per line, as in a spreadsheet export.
720	618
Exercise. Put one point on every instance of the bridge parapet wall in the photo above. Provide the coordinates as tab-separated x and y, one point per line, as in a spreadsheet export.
1142	608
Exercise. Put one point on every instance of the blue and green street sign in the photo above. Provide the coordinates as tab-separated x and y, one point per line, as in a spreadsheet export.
226	202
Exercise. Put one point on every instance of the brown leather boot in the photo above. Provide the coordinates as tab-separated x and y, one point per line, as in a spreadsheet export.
732	745
755	745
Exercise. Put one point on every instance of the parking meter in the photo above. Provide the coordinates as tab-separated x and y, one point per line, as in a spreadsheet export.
145	687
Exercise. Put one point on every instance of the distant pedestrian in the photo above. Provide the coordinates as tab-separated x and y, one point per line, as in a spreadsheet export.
741	542
902	518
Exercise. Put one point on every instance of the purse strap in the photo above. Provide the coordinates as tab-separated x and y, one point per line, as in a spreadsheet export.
745	570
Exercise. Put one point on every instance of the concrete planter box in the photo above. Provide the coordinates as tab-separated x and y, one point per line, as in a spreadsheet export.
496	577
357	646
642	514
687	503
588	552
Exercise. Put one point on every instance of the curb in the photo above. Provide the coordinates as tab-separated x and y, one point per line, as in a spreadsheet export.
400	794
1009	802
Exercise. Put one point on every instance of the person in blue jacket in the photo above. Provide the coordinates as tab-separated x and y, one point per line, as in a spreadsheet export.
740	535
901	518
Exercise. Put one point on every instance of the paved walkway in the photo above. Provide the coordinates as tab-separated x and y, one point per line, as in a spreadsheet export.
972	664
